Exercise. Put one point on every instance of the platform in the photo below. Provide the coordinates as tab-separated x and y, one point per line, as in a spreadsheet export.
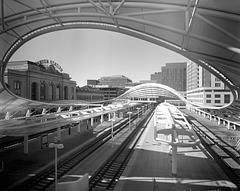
150	168
18	167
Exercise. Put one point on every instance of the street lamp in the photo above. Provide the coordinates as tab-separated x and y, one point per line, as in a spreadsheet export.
129	117
57	145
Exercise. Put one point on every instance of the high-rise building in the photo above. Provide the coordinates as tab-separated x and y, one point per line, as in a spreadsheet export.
192	76
115	81
204	88
174	76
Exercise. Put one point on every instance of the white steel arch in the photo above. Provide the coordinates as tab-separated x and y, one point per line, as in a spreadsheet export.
154	90
151	90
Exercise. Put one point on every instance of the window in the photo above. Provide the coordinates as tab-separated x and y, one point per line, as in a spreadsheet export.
65	92
42	91
72	92
217	96
217	80
58	92
208	101
217	84
217	101
34	91
227	98
208	96
50	92
17	85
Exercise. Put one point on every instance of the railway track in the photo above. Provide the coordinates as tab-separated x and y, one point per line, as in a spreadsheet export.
226	156
106	177
45	178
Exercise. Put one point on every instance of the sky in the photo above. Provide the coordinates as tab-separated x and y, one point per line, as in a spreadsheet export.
91	54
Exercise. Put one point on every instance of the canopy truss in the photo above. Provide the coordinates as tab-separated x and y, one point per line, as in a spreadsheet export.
207	32
151	90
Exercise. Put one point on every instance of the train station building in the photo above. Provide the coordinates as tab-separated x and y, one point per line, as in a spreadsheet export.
42	81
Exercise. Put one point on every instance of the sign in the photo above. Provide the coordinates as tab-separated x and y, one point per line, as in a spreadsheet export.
46	63
44	140
17	67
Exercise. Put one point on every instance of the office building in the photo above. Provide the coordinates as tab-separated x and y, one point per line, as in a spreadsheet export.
157	76
110	92
115	81
204	88
147	81
92	82
89	94
174	76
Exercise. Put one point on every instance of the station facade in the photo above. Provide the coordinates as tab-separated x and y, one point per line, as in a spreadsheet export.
42	81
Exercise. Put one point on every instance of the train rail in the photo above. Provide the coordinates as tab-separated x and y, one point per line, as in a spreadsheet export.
226	156
106	177
45	178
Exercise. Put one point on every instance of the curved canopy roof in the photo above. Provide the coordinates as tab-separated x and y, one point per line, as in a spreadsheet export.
155	90
151	90
207	32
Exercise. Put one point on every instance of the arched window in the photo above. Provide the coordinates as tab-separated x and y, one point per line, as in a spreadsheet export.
72	90
34	91
50	92
58	92
42	91
65	92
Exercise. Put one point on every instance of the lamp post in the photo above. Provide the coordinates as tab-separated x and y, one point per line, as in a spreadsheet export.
129	117
138	112
56	145
143	109
113	119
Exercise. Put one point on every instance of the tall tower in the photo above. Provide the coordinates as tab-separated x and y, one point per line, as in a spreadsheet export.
192	76
174	76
